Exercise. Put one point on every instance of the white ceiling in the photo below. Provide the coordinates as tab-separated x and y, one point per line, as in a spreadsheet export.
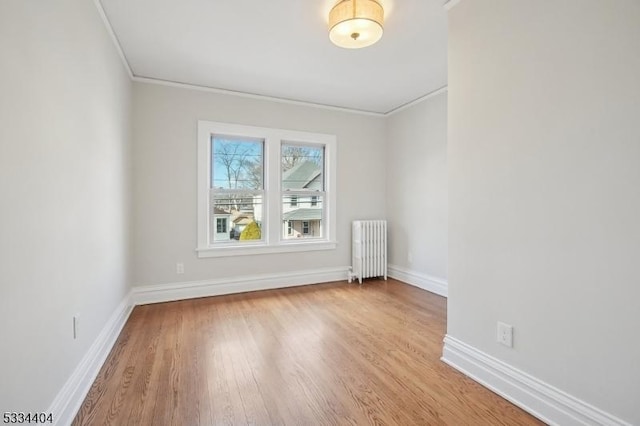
281	48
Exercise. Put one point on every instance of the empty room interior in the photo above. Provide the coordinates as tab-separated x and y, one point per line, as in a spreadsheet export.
320	212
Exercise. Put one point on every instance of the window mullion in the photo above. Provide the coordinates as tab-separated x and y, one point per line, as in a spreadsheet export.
272	188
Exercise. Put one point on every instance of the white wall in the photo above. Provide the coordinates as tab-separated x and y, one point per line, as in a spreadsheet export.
417	189
64	135
165	124
544	150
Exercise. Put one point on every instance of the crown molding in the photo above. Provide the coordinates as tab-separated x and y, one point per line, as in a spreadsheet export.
251	95
416	101
450	4
113	37
149	80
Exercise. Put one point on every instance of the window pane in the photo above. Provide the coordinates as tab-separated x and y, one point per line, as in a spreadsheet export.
303	220
236	163
236	217
302	168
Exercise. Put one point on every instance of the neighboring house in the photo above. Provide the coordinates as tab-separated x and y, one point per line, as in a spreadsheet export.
227	225
239	223
302	213
220	228
302	222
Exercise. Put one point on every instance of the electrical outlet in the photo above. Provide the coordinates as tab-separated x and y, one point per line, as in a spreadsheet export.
179	268
76	326
505	334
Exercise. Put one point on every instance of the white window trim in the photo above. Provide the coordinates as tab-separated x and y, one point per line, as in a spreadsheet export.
272	241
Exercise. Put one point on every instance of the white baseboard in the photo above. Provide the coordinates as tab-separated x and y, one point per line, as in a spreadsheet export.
70	398
68	401
188	290
425	282
542	400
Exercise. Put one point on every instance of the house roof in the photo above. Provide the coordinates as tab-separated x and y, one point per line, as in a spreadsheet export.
304	175
242	220
219	211
303	214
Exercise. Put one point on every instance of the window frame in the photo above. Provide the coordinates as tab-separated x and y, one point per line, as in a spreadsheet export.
272	238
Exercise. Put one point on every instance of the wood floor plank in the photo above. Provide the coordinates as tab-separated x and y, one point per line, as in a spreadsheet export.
142	407
333	353
381	365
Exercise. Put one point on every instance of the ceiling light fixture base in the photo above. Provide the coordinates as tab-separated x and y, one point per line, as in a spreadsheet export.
354	24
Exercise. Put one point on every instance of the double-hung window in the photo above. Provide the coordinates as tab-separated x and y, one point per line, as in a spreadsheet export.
264	190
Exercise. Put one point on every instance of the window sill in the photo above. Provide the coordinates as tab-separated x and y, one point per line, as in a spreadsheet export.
287	247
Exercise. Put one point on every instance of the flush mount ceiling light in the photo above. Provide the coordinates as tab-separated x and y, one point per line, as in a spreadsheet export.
356	23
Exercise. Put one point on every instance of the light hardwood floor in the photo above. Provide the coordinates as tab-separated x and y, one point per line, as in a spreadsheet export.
325	354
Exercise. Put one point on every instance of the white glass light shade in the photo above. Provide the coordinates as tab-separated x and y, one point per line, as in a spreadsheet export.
356	23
